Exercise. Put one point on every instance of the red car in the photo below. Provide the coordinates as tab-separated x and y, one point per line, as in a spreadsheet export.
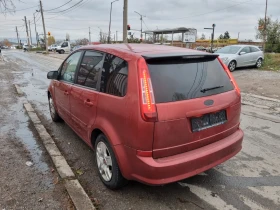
154	114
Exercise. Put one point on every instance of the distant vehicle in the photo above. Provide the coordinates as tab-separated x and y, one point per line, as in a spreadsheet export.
25	47
151	113
235	56
76	47
63	47
13	47
200	48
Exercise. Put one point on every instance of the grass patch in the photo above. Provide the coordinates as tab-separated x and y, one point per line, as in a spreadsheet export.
271	62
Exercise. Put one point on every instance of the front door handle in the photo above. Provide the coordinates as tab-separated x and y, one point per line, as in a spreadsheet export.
88	102
66	93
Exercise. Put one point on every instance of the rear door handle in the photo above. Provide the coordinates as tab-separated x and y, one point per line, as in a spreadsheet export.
88	103
66	93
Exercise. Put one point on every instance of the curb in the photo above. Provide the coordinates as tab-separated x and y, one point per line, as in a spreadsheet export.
76	192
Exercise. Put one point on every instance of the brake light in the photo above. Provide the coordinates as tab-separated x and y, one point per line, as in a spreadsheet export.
231	77
148	108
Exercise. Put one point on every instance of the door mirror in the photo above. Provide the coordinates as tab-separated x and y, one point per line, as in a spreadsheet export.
242	53
52	75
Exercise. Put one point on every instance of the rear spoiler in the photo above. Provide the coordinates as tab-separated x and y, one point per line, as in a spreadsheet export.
179	57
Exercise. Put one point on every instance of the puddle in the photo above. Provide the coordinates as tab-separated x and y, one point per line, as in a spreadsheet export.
26	137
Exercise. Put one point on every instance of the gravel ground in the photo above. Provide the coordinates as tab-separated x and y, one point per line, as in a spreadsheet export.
259	82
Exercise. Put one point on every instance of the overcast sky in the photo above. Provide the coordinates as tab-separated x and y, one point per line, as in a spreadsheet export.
228	15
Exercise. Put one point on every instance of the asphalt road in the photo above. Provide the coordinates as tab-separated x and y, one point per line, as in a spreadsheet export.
251	180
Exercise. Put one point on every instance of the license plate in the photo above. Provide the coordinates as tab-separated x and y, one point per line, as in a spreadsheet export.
208	120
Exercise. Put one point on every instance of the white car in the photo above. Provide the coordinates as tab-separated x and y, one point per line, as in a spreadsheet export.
241	55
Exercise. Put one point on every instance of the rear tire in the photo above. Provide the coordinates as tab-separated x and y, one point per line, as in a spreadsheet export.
54	115
232	66
259	63
107	166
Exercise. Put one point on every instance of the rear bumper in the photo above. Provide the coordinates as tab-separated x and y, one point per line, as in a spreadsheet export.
174	168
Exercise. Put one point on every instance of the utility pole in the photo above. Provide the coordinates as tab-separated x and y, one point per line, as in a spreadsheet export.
141	19
45	36
124	21
110	21
36	34
265	22
30	32
89	36
17	36
116	35
26	31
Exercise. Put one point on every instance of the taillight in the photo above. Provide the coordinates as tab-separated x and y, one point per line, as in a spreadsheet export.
148	108
231	77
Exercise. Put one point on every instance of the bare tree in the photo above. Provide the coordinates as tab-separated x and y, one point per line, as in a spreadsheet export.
83	41
67	37
7	6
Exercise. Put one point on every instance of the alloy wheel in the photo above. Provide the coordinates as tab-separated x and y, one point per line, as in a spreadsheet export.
104	161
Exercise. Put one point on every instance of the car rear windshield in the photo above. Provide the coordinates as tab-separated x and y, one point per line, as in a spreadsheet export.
181	79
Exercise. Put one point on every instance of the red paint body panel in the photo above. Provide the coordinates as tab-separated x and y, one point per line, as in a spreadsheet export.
175	152
174	168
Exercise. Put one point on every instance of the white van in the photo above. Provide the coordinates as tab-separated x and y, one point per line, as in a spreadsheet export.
63	47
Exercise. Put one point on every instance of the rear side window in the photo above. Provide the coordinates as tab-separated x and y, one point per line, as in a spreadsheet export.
254	49
177	80
89	69
114	76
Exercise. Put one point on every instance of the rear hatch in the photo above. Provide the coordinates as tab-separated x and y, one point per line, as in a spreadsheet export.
196	102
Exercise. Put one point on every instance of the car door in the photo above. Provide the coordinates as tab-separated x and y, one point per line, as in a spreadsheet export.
63	85
246	58
84	97
255	54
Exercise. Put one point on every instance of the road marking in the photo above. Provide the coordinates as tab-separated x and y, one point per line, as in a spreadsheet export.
207	196
270	192
252	204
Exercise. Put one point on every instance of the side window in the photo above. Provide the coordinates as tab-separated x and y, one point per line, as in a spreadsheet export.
89	69
254	49
246	50
69	67
65	44
114	76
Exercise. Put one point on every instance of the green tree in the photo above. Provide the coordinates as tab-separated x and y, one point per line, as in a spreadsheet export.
221	36
272	34
226	35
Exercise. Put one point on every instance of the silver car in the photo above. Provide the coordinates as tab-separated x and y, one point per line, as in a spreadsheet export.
241	55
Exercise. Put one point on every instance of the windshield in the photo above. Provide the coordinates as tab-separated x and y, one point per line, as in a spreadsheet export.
178	80
229	50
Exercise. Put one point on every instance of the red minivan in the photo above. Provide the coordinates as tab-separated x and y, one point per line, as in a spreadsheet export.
154	114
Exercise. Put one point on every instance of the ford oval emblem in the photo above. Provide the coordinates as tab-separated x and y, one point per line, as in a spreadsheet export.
208	102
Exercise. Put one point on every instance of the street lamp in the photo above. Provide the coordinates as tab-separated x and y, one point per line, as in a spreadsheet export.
110	21
212	37
141	18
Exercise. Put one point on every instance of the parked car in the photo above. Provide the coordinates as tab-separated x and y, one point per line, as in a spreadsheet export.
201	48
64	47
155	114
240	56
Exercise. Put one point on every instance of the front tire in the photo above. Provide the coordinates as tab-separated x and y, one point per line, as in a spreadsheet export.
107	166
232	66
62	51
259	63
54	115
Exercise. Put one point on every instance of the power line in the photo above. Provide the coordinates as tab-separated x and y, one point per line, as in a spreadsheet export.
11	10
72	9
59	6
79	2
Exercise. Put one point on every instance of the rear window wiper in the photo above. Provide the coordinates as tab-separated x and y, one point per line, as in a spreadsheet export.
211	88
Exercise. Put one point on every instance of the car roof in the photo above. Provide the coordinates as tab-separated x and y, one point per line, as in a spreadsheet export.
142	49
242	45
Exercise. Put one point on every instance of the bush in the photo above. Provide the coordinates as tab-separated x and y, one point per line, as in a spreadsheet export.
36	49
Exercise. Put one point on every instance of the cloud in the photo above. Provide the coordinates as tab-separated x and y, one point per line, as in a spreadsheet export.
233	16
